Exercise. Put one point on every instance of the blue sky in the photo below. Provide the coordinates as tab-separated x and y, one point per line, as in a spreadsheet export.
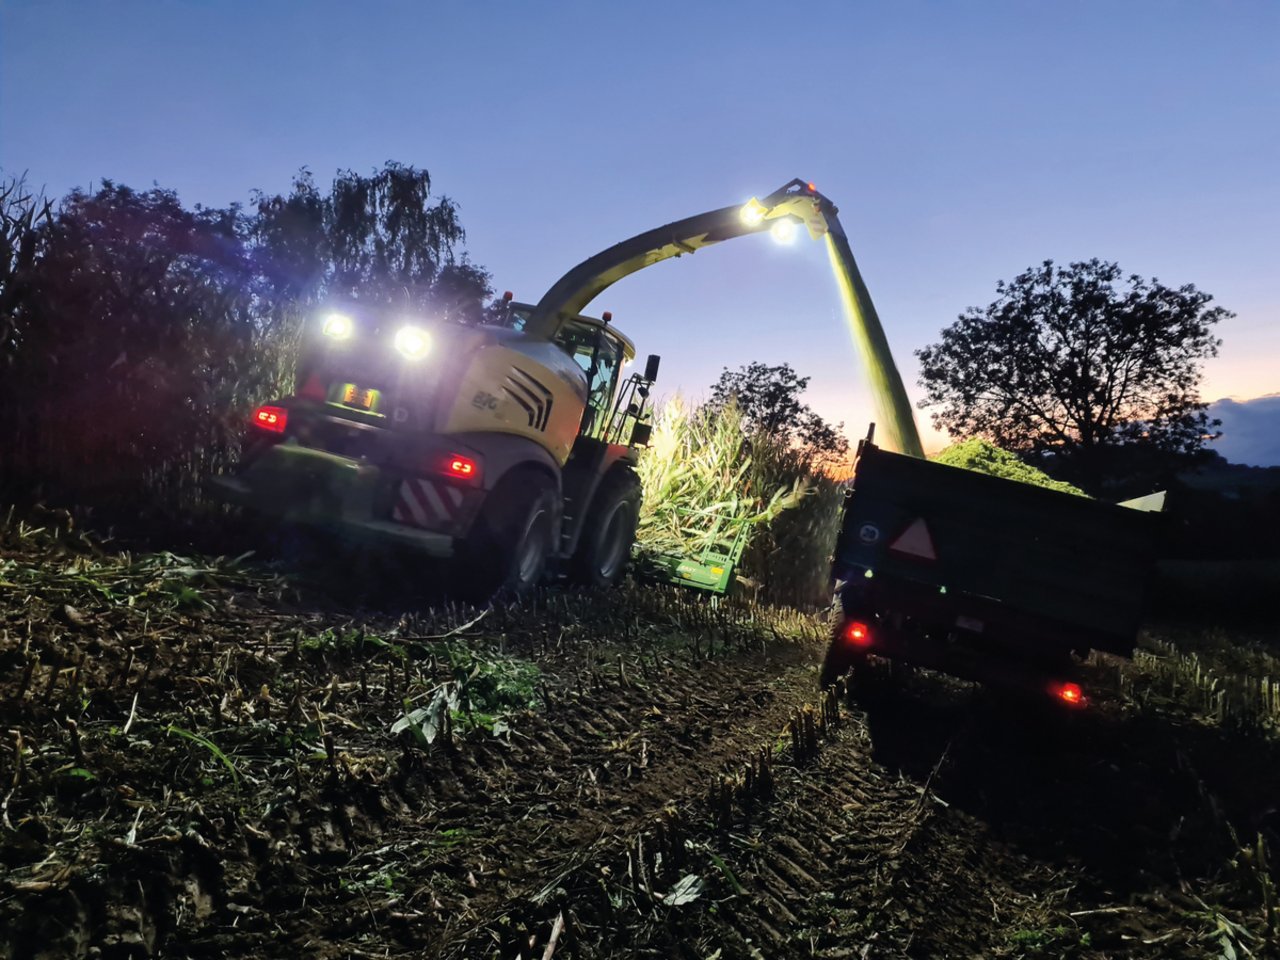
962	141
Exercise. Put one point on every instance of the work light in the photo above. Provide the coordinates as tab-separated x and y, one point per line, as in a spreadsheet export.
414	343
338	326
752	212
784	231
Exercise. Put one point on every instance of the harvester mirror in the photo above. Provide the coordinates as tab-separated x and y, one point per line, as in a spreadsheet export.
651	367
640	434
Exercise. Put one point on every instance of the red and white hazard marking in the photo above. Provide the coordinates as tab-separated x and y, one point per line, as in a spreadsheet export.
426	503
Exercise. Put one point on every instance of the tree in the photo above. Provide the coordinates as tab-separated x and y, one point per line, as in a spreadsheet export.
378	239
769	398
1078	361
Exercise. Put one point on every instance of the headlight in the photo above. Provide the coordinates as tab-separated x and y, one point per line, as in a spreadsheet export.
414	343
338	326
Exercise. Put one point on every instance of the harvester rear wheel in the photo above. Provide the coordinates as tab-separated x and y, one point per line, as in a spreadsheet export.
507	549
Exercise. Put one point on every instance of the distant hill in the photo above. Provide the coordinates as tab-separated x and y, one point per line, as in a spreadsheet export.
1250	430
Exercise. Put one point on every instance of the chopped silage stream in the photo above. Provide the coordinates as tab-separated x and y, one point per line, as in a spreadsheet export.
204	759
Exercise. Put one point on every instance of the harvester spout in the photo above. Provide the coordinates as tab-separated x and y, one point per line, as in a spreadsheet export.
795	203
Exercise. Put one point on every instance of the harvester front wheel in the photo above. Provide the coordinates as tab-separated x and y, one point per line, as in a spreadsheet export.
609	531
507	549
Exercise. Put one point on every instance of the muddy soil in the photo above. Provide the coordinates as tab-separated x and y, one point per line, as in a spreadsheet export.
205	759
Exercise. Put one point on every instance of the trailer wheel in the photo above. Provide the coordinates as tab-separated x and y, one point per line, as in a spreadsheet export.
507	549
609	531
839	661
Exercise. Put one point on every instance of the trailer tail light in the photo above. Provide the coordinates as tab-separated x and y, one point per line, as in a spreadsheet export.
271	419
857	633
1071	694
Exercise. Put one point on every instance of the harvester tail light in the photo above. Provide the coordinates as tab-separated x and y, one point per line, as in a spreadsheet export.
1071	694
456	466
857	633
271	419
462	466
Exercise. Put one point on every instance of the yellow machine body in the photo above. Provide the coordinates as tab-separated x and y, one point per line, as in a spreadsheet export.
512	383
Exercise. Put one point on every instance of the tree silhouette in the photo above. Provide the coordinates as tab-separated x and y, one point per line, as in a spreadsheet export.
378	239
769	398
1079	361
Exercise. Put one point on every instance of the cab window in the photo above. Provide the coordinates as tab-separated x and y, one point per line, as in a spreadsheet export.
599	356
513	318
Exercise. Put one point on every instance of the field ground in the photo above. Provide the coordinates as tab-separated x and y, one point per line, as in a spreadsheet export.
204	759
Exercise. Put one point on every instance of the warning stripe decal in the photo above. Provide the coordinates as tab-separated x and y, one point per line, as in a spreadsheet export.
426	503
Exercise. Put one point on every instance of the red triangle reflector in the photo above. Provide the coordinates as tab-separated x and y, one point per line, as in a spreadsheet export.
915	542
313	389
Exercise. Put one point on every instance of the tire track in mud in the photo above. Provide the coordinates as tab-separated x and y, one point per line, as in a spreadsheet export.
840	857
581	780
475	830
803	842
319	831
762	844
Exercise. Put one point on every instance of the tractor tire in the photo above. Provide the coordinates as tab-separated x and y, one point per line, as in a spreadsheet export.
609	531
506	552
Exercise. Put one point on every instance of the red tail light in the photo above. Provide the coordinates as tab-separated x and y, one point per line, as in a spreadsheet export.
462	466
454	466
271	419
857	633
1071	694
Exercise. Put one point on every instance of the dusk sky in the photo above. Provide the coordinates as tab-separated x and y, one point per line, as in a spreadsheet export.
962	142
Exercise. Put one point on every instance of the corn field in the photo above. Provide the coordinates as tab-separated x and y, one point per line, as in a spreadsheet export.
708	481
